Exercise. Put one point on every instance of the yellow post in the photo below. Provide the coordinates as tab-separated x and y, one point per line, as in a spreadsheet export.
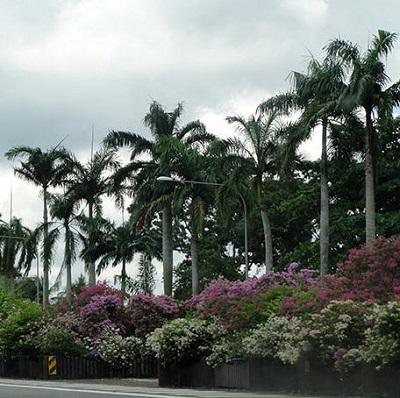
52	362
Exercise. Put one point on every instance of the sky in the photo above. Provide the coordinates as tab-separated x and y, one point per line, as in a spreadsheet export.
69	68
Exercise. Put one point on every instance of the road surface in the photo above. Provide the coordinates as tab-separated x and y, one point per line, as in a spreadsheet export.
12	388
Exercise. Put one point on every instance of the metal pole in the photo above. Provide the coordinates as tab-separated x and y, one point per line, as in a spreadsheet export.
246	248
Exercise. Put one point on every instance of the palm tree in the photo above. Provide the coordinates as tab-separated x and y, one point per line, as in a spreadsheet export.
118	245
367	90
315	94
45	169
63	208
17	250
257	145
152	158
88	184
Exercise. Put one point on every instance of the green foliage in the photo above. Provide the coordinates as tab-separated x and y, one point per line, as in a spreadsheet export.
20	322
119	351
181	341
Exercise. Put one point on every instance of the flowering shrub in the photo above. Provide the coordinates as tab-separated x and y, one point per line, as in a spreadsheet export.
372	272
119	351
63	335
102	311
145	313
382	342
100	289
279	338
244	304
337	333
19	323
181	341
226	347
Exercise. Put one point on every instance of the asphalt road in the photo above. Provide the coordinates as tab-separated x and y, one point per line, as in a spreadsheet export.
12	388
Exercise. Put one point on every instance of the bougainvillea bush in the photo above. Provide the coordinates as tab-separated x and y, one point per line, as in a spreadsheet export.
62	335
145	313
372	272
18	323
116	349
244	304
181	341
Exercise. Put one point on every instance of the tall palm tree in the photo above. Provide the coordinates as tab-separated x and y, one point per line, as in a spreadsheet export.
195	199
315	94
64	208
17	250
118	245
257	145
88	184
45	169
368	89
151	158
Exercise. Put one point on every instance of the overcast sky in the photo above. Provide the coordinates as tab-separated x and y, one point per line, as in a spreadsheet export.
70	66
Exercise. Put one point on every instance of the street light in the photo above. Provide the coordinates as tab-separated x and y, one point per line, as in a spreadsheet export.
246	249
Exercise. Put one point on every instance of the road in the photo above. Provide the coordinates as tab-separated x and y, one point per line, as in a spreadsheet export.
11	388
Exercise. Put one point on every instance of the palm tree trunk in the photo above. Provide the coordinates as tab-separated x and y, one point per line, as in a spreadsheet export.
194	254
91	266
167	247
68	262
46	254
267	238
370	227
123	276
324	215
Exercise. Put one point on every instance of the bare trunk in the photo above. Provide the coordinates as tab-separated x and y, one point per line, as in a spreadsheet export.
68	264
123	277
370	227
167	247
194	253
46	257
91	265
267	239
324	215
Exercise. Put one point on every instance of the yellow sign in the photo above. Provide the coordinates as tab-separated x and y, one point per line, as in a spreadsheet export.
52	362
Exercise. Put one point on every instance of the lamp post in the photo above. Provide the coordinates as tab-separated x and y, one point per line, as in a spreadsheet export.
246	249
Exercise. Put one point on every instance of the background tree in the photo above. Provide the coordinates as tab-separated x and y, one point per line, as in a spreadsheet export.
89	183
257	144
152	158
45	169
367	90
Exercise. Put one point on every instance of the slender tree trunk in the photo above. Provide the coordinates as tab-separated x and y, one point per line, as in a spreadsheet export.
370	227
167	247
123	276
46	254
68	263
91	266
267	238
324	215
194	254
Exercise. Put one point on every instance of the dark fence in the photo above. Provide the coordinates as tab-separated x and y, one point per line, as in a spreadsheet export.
308	377
60	367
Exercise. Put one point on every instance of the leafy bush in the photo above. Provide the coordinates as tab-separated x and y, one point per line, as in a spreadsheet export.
145	313
372	272
119	351
181	341
102	311
279	338
100	289
382	342
16	325
244	304
337	333
62	335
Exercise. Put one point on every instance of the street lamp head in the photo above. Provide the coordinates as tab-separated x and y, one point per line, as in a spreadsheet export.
168	179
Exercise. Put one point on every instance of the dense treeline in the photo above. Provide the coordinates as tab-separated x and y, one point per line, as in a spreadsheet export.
295	209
